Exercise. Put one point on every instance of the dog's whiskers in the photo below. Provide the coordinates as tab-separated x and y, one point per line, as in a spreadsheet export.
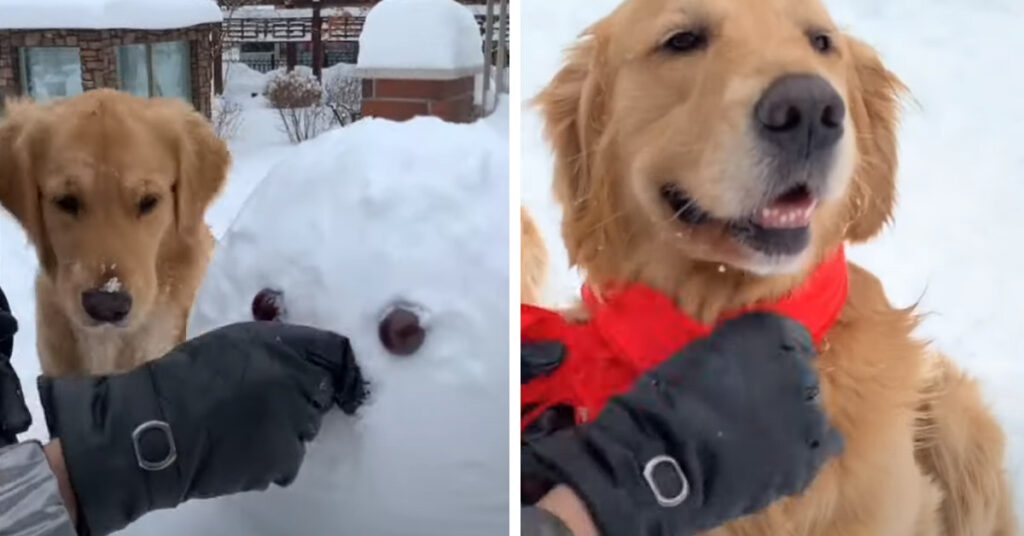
607	220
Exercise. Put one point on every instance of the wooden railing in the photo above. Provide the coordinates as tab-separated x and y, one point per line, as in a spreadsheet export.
346	28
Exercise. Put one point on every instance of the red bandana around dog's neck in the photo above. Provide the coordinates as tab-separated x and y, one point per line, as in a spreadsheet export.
635	327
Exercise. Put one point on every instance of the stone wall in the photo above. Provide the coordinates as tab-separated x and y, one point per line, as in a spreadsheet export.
97	49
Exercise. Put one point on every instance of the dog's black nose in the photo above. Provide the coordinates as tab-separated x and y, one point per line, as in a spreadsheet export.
107	306
801	115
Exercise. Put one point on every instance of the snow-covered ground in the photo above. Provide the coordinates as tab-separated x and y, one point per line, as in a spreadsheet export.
961	183
135	14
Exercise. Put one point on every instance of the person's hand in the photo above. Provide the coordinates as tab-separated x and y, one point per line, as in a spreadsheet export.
14	415
229	411
718	431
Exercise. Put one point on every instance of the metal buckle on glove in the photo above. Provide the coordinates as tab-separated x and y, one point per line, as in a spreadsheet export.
172	453
684	491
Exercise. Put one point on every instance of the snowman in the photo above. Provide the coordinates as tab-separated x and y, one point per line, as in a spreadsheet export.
395	235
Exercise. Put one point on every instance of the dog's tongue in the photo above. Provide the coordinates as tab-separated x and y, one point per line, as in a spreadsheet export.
788	212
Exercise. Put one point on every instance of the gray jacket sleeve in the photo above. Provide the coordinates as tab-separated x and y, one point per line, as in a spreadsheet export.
539	522
30	500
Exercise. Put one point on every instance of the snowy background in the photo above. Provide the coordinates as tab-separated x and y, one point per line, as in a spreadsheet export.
961	176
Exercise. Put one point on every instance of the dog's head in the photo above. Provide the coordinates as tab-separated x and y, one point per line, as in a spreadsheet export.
108	187
750	133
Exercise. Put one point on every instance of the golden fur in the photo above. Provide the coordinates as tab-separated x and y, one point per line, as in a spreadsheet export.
923	455
110	150
533	260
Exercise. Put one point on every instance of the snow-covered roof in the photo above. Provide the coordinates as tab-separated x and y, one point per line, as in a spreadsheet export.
106	14
420	34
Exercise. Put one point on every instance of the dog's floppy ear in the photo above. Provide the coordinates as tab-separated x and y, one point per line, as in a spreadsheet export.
573	108
874	103
202	167
20	138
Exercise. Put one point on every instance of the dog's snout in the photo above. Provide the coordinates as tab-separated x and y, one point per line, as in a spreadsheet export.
801	115
105	306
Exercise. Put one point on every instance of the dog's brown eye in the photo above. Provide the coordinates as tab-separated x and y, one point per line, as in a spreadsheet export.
69	204
147	204
400	332
821	42
688	41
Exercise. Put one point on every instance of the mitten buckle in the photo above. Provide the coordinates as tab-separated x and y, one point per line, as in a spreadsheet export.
684	485
172	451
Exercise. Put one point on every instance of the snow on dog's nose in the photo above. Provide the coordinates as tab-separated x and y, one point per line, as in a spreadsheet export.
109	303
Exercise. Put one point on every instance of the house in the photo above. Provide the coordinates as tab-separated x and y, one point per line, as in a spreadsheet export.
60	48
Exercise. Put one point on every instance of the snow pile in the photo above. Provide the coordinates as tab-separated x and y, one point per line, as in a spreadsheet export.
420	34
339	70
351	225
95	14
242	81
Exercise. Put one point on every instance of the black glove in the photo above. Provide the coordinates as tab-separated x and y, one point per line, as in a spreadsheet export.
722	429
539	359
14	416
229	411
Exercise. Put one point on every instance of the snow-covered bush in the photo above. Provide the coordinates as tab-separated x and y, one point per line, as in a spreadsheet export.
227	117
297	97
343	94
295	89
301	124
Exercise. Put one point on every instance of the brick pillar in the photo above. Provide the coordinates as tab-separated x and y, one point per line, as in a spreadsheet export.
397	95
9	83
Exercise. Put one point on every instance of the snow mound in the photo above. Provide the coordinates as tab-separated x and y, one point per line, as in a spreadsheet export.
242	81
351	225
96	14
340	70
420	34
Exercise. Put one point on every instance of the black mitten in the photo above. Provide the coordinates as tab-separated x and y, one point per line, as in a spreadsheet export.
718	431
14	415
229	411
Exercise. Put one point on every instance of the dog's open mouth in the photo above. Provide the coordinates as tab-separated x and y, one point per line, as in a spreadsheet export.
782	227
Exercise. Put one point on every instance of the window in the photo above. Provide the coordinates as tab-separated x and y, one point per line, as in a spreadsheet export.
50	72
156	70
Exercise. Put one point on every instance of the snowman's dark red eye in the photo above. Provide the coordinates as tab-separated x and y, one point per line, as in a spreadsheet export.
268	305
401	333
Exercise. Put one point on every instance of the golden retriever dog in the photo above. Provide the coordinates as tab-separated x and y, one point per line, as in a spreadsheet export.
716	150
533	260
111	189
